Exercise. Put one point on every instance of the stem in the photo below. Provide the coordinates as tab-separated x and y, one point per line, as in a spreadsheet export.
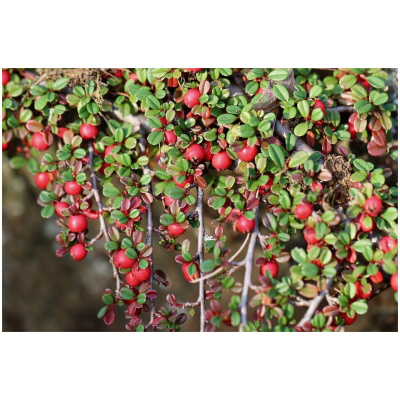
200	253
103	225
343	109
247	275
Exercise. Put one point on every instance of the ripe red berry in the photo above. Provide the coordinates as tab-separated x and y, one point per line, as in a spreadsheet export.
316	186
394	281
88	131
247	153
348	320
363	82
373	206
387	243
78	252
42	180
360	293
108	150
367	223
170	137
38	141
5	145
5	77
194	69
73	188
207	151
303	210
77	223
245	225
176	229
122	261
352	131
131	280
221	161
194	153
309	235
319	104
271	266
119	73
142	274
192	97
377	278
193	276
59	206
189	180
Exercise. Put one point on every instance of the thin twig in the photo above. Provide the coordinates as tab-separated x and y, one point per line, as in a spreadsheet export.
343	109
200	253
103	225
241	248
247	275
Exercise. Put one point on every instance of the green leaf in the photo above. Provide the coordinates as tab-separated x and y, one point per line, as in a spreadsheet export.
310	269
17	162
390	214
376	82
278	74
317	114
362	106
40	103
301	129
304	108
108	299
47	211
360	307
298	158
281	92
226	119
110	191
60	83
276	154
315	91
127	294
153	102
207	265
246	131
155	137
347	81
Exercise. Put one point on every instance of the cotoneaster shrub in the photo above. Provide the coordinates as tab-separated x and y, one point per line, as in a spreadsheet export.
266	150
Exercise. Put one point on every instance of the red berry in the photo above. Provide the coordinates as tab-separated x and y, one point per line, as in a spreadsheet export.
394	282
88	131
77	223
367	223
5	145
194	69
248	153
59	206
195	275
352	131
61	131
131	280
320	104
221	161
245	225
170	137
264	188
42	180
360	293
122	261
303	210
142	274
363	82
194	153
176	229
108	150
309	235
373	206
271	266
316	186
78	252
192	97
207	151
38	141
377	278
387	243
5	77
73	188
189	179
133	76
119	73
348	320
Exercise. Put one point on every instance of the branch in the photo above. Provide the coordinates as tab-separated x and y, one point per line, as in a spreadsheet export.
341	109
103	226
247	275
316	301
200	253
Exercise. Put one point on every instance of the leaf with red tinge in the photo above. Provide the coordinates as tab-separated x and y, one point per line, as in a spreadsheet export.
330	310
109	317
375	150
180	319
147	198
326	146
379	137
343	151
151	294
34	126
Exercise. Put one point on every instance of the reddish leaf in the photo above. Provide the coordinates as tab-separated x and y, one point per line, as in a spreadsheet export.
109	317
34	126
379	137
375	150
